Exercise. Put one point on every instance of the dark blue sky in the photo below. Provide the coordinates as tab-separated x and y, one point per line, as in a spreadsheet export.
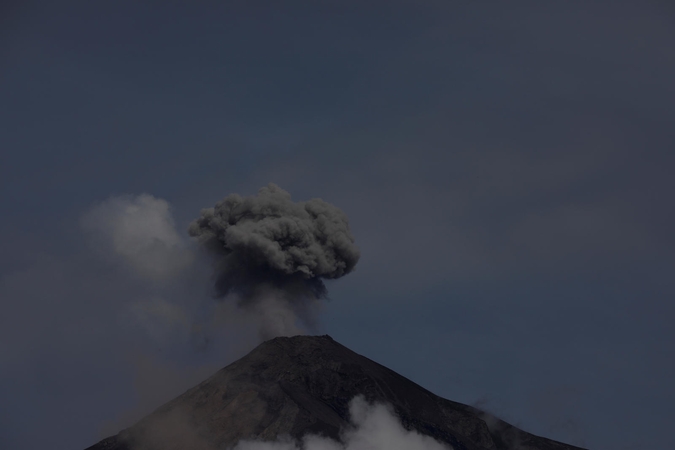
506	169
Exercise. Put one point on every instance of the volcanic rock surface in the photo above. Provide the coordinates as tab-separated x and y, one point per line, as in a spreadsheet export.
303	384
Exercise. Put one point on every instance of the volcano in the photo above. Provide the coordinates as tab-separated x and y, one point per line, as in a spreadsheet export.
289	387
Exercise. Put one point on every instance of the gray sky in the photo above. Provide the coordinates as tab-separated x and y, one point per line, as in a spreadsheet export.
505	167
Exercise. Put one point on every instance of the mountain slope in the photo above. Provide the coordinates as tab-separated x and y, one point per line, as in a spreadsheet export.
303	384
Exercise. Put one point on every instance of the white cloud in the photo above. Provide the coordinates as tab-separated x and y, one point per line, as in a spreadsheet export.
373	427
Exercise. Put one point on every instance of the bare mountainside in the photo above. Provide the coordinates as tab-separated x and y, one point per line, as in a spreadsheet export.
304	384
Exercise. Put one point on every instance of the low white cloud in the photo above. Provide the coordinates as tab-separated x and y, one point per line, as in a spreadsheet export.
373	427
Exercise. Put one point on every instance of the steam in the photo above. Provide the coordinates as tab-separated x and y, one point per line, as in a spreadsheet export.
138	234
140	231
272	254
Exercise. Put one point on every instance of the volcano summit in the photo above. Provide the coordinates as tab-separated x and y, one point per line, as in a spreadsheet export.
289	388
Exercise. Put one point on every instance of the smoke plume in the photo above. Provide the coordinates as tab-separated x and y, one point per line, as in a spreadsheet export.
272	254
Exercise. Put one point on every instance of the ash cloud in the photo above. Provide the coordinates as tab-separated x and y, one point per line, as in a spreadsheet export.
270	257
273	254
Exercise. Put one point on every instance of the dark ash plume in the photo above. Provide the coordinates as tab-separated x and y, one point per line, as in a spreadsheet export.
267	247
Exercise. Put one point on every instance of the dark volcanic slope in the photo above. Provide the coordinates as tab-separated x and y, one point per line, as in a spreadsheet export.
303	385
